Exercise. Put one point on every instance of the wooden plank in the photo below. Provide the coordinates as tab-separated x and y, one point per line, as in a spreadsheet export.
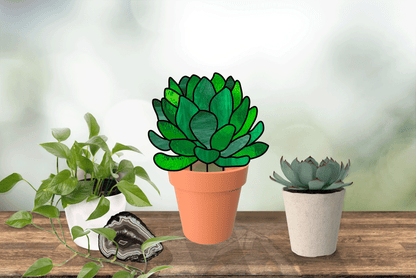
369	243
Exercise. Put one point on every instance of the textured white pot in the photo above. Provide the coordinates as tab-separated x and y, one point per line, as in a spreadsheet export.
77	214
313	221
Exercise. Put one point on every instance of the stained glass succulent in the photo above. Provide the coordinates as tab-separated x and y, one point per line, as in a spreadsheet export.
206	120
309	175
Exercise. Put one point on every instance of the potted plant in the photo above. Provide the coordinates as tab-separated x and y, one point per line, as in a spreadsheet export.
88	191
313	199
208	124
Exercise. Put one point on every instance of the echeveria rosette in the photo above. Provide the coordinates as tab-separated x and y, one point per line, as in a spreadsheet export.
309	175
207	120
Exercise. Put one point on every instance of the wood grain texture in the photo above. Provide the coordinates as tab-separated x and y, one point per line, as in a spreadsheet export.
369	244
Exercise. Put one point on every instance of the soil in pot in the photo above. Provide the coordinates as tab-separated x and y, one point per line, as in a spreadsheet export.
106	185
313	191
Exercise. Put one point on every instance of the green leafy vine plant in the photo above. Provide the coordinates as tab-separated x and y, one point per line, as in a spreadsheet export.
104	178
310	176
206	120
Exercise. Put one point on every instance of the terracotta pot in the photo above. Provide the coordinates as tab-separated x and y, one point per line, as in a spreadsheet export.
208	202
313	221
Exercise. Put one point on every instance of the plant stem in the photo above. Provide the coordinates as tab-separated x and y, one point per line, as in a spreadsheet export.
112	188
87	256
66	260
62	230
145	261
30	185
41	228
57	165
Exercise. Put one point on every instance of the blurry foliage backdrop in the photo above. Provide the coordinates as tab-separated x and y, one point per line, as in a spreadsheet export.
330	78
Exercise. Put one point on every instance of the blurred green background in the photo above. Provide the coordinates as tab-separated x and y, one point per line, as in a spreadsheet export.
330	78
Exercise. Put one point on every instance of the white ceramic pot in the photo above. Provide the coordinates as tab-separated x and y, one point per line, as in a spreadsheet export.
313	221
77	214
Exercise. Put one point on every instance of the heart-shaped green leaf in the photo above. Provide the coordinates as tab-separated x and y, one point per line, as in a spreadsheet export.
186	110
134	195
92	197
123	274
173	163
59	178
222	137
9	182
89	270
218	82
62	186
108	233
47	211
57	149
93	126
78	231
102	208
120	147
222	106
206	156
203	126
157	106
203	93
183	147
98	141
127	168
61	134
43	195
190	87
40	268
141	173
19	219
80	193
85	164
157	141
170	131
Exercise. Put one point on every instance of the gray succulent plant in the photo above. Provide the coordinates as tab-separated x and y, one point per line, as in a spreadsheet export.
309	175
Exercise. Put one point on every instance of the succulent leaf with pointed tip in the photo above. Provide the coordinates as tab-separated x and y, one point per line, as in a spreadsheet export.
309	175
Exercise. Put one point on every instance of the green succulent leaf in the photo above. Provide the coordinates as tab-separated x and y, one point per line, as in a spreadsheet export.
174	86
232	161
157	106
158	141
89	270
40	268
251	117
289	173
305	173
102	208
141	173
324	173
19	219
256	132
61	134
78	231
253	151
81	192
182	84
170	131
57	149
9	182
315	184
93	126
295	165
235	146
337	184
173	163
183	147
222	137
229	82
43	195
169	110
221	107
108	233
237	94
203	126
47	211
190	87
134	195
311	159
280	180
172	97
240	114
218	81
203	94
344	171
120	147
335	171
186	110
206	156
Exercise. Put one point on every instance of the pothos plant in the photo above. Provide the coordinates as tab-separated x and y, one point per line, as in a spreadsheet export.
104	179
206	120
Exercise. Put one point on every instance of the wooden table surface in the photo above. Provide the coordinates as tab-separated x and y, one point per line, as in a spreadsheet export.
369	243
